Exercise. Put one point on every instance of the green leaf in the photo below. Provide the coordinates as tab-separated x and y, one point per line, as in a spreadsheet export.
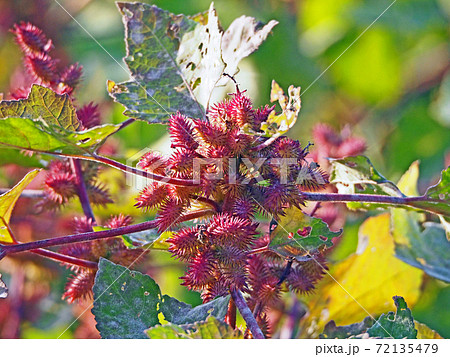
12	156
209	329
357	175
150	238
38	135
181	313
395	325
332	331
298	235
125	302
128	302
156	88
428	250
43	103
3	289
7	203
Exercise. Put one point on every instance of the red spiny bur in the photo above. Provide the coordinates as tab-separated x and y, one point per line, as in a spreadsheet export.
181	132
89	115
69	80
80	284
42	67
31	39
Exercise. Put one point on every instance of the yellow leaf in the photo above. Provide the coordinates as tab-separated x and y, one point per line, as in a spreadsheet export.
424	332
364	283
7	202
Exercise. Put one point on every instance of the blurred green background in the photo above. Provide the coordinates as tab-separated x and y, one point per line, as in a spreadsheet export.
390	83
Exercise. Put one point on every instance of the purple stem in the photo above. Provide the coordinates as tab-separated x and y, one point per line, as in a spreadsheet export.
81	190
246	313
337	197
85	237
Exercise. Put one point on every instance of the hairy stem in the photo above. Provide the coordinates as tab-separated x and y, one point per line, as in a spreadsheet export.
81	190
246	313
89	236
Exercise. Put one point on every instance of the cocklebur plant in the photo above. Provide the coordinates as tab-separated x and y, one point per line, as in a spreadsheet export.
229	198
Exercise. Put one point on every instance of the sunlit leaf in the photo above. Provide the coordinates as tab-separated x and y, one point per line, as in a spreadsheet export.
209	329
424	332
365	282
128	302
395	325
7	202
38	135
299	235
43	103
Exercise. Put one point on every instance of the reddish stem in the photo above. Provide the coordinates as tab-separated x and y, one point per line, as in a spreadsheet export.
164	179
338	197
65	258
230	317
81	190
85	237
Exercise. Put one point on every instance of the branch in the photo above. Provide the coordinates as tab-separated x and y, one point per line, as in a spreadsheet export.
81	190
85	237
337	197
65	258
246	314
118	165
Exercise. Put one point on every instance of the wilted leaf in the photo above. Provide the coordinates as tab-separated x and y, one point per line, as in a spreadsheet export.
395	325
157	87
297	235
150	238
278	124
7	202
424	332
332	331
125	302
365	282
200	59
356	174
176	60
3	289
38	135
43	103
209	329
181	313
241	39
128	302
